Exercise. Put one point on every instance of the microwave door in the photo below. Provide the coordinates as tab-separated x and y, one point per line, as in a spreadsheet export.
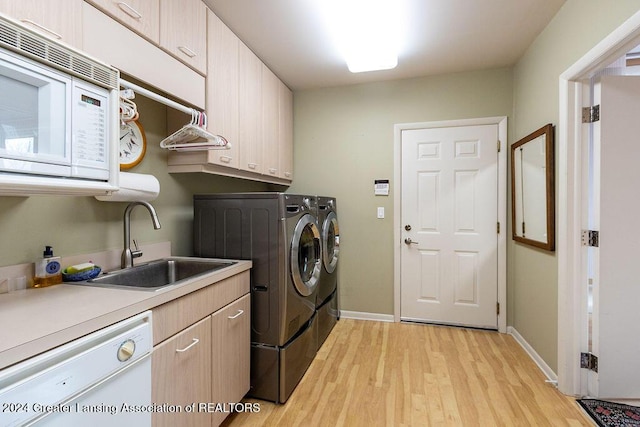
35	118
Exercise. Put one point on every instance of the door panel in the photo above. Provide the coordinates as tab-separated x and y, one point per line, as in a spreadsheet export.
450	213
616	318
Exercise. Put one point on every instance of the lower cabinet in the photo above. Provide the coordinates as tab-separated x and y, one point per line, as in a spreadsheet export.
181	368
200	361
231	327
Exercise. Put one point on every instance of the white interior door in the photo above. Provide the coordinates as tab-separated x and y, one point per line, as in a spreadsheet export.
449	210
616	287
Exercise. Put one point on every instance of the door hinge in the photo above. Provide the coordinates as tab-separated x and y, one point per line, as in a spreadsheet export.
499	146
498	308
498	227
591	238
591	114
589	361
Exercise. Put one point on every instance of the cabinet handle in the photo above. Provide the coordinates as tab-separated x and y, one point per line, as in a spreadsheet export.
238	314
225	159
287	174
187	51
182	350
42	28
252	165
129	11
272	171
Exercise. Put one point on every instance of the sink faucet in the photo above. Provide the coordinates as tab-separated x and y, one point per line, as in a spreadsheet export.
128	255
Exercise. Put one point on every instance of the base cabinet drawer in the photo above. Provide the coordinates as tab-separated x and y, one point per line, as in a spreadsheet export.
181	372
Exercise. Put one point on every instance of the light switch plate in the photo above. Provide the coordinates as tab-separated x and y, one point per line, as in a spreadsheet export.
380	212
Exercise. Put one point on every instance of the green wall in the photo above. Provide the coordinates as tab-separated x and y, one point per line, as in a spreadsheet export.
344	141
532	274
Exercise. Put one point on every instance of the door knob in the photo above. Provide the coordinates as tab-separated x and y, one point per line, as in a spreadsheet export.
408	241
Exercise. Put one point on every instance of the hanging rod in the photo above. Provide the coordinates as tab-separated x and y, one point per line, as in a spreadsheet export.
156	97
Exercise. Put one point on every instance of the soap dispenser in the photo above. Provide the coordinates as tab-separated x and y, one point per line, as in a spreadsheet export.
47	269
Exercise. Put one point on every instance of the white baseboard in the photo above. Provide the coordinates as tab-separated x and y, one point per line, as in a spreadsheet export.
360	315
546	370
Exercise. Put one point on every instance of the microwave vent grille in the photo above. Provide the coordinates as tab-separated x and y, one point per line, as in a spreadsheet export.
36	46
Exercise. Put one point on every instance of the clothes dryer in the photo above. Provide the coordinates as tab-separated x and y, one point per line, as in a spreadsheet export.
327	295
278	232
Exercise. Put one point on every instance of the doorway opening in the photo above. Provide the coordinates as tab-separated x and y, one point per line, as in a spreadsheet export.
573	196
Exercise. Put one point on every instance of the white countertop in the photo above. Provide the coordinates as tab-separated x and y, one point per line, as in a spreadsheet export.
35	320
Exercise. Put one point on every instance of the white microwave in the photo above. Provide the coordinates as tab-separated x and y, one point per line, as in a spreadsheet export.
58	109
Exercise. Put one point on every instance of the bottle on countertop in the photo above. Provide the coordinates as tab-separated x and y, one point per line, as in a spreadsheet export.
48	270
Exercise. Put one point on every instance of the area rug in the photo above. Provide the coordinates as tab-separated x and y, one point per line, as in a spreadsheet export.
609	414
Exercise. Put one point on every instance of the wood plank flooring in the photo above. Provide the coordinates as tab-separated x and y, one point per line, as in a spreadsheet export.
395	374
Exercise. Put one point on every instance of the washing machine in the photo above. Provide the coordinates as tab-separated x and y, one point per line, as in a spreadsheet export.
278	232
327	293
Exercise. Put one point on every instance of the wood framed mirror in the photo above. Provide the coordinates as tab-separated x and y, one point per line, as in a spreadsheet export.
533	189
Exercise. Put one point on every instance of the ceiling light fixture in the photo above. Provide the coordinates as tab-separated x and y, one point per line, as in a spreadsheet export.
367	32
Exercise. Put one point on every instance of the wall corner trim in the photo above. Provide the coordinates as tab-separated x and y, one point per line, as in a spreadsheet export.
546	370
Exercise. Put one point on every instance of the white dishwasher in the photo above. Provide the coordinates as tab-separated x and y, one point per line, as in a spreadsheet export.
102	379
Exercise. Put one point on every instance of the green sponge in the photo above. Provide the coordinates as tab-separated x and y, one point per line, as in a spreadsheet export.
79	268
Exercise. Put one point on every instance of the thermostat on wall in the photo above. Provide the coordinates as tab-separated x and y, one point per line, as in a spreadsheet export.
381	187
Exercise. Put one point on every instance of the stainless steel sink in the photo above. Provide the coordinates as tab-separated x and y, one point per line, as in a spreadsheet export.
158	274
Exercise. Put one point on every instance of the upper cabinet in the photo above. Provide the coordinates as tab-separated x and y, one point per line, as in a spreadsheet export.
222	89
270	122
285	131
57	19
183	29
142	16
178	27
250	111
249	106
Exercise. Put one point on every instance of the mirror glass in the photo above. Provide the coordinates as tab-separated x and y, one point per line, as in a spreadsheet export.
532	189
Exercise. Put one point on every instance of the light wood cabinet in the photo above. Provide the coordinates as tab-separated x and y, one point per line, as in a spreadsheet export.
270	122
285	131
231	328
202	352
249	106
141	16
181	372
57	19
222	89
250	110
183	31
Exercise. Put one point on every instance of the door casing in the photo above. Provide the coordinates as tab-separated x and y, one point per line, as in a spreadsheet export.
502	205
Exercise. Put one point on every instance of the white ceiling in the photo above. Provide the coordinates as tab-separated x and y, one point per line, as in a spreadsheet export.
443	36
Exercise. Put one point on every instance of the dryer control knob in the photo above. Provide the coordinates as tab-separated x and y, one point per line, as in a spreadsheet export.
307	202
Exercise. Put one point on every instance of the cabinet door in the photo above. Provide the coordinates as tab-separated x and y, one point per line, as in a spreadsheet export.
183	31
56	19
222	89
250	110
285	132
181	375
142	16
231	327
270	122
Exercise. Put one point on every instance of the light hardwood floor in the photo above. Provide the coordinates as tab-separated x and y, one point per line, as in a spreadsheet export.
395	374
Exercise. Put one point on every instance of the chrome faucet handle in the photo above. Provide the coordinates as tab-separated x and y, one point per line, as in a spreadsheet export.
137	253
